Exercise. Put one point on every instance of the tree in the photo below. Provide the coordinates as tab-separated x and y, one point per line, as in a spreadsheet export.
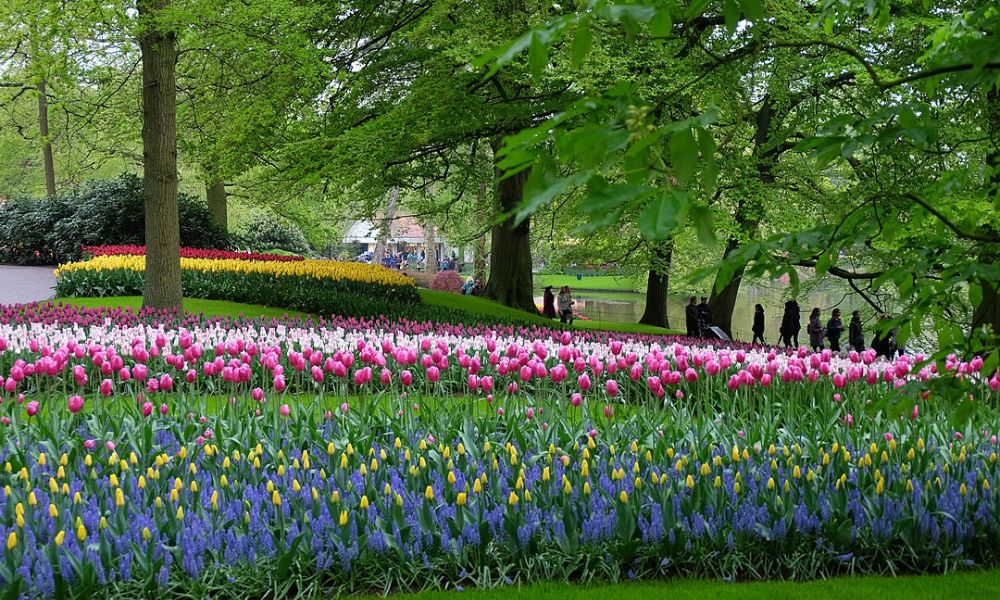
895	149
159	149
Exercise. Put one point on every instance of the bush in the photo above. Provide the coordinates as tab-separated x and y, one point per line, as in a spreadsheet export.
447	281
267	233
105	212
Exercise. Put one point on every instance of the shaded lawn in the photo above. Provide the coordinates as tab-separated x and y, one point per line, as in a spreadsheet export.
972	584
475	304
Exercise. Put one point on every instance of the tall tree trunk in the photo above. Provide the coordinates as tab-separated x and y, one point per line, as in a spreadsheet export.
510	280
658	285
479	246
159	156
385	228
723	302
43	130
430	249
215	192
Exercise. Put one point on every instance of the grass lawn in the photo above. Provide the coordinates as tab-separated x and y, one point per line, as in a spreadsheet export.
475	304
609	283
976	584
211	308
472	304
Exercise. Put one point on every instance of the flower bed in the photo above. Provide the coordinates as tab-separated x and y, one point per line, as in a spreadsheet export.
91	251
316	286
156	455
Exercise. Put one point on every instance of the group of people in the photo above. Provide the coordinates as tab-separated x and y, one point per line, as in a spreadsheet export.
699	320
472	287
832	331
564	301
698	317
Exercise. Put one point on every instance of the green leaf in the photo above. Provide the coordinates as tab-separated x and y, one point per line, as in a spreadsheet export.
539	191
701	217
661	216
731	12
661	26
538	56
582	42
602	198
683	155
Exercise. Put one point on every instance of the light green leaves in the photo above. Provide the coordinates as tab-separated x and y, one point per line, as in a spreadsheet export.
664	214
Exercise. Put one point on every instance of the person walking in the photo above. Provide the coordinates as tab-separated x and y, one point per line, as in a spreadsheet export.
758	325
692	317
815	330
834	328
549	303
855	334
705	316
791	324
884	344
565	305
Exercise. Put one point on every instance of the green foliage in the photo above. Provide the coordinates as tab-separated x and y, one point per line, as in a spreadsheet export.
805	148
50	231
267	232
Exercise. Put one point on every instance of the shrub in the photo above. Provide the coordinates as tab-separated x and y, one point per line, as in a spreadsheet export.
447	281
267	233
105	212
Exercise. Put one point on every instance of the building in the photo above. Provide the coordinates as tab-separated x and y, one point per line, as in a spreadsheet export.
406	236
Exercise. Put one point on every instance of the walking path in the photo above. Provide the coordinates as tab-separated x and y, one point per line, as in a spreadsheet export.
19	285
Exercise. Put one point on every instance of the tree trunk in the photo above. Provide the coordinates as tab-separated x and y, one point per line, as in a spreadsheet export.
510	265
385	228
159	157
723	302
430	249
657	285
43	130
215	192
479	246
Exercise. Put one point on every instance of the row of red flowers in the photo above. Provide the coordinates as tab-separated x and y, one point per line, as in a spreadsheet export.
185	253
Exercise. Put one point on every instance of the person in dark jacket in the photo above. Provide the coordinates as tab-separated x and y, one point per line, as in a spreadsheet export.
791	324
884	344
692	317
855	334
834	328
549	303
705	315
758	324
815	330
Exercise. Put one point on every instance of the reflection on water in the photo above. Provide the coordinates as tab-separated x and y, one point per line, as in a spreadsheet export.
627	307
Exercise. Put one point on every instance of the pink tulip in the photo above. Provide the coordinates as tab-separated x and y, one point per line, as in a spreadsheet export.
285	410
147	409
609	411
849	420
344	407
164	409
915	413
433	374
584	382
75	404
576	399
89	444
32	408
611	387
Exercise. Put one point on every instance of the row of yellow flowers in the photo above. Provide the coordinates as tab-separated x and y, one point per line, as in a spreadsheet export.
315	268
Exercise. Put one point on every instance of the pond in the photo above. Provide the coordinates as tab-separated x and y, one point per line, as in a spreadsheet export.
627	307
